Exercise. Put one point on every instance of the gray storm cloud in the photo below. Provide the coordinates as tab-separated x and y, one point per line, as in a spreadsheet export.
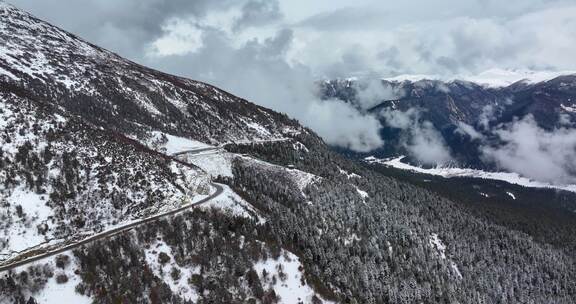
427	36
125	26
258	12
407	37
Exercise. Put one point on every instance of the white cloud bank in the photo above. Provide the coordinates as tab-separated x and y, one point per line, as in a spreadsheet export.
548	156
419	137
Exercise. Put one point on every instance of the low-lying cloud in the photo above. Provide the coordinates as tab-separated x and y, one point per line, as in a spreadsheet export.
257	71
522	146
342	125
468	130
543	155
419	137
371	92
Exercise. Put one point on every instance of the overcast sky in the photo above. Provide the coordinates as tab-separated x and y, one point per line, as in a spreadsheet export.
272	51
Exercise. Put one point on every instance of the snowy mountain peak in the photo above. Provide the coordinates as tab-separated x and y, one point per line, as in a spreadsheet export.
492	78
35	49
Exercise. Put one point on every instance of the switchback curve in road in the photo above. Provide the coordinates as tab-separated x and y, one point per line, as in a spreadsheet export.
118	230
112	232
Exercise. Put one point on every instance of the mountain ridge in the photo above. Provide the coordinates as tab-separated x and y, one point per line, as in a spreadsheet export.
460	112
147	96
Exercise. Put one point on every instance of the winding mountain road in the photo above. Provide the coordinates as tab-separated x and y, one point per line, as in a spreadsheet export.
118	230
196	151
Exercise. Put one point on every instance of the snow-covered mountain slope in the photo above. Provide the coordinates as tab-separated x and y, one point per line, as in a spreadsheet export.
118	94
187	259
62	178
86	137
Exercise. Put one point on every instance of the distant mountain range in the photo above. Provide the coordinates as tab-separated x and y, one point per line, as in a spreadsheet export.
461	110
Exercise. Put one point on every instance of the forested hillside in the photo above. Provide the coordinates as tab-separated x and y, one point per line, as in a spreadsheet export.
374	239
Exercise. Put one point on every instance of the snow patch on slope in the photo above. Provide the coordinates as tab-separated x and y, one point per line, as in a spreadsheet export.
53	292
289	285
174	144
363	194
262	131
231	203
436	243
510	177
24	233
64	293
348	174
302	179
571	109
180	286
215	163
